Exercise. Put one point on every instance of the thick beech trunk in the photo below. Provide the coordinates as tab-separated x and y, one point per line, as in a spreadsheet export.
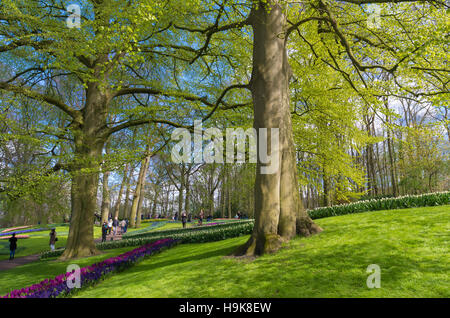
85	175
279	215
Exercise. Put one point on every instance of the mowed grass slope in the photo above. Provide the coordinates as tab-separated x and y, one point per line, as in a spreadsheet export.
411	246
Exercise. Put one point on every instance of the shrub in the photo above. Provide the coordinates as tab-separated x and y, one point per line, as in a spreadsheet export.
403	202
181	230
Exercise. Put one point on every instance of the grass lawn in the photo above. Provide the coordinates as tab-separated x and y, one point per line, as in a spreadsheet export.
35	244
411	246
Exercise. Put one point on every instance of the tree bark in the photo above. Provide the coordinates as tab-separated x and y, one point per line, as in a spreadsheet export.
137	191
85	174
186	199
125	213
106	197
119	198
279	215
141	192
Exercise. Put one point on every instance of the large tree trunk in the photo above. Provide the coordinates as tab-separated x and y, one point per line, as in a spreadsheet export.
279	215
85	175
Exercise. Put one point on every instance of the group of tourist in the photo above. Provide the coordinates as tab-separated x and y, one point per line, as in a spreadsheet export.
114	226
13	243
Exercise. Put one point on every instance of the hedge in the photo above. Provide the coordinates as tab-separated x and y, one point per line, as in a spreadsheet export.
181	230
403	202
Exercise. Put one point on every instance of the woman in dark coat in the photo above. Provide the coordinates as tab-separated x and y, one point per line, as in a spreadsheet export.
104	231
53	239
12	246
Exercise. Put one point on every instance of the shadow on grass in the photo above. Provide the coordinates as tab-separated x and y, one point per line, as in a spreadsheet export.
176	261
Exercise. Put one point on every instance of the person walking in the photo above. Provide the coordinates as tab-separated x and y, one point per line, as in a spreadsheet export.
115	225
12	246
184	219
104	231
200	217
123	225
109	226
126	225
53	239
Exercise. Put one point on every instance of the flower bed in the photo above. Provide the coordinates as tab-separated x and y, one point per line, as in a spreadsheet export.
15	228
208	224
152	226
89	275
17	236
403	202
24	231
154	220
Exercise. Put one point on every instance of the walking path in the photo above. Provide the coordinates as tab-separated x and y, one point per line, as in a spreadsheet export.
110	237
19	261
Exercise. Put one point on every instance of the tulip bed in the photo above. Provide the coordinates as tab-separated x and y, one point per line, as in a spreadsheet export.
17	237
150	227
23	231
58	287
15	228
403	202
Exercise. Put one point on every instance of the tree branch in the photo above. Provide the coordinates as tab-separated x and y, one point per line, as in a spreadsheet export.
75	114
